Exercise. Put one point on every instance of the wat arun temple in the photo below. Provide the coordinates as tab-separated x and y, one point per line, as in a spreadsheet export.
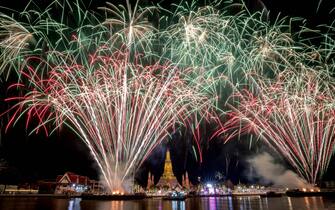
168	180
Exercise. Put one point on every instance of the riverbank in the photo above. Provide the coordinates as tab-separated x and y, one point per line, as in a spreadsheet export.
139	196
196	203
40	195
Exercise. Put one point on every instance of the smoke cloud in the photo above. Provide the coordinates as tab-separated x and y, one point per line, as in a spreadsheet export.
266	168
119	183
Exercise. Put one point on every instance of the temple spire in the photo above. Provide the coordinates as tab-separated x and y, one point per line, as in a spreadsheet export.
168	178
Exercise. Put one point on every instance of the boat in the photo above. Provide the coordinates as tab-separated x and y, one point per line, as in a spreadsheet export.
271	194
176	196
305	193
135	196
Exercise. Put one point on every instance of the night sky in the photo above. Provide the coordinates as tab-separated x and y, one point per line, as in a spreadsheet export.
29	158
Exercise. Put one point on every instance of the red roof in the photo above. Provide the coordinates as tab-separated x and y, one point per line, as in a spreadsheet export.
73	178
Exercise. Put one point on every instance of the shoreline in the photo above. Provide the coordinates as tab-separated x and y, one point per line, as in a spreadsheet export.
144	196
125	196
40	195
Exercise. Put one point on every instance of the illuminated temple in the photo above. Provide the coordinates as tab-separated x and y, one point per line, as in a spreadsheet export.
168	178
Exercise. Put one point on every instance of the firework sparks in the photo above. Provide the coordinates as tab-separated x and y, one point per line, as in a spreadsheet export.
97	79
120	110
294	114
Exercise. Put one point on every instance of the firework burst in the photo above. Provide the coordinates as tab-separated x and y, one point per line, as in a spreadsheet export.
294	114
123	85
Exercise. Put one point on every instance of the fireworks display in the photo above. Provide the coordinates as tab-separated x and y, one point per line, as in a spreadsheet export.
294	114
119	106
121	111
123	84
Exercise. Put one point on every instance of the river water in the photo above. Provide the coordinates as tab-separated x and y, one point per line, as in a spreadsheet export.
205	203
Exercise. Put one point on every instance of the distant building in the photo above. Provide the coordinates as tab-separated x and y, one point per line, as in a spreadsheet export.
150	182
186	182
10	189
328	184
2	188
74	183
168	179
47	186
96	187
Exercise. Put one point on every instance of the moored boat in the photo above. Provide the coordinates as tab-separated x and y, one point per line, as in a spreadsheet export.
180	196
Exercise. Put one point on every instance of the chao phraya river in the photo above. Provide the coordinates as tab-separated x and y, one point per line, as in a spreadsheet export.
205	203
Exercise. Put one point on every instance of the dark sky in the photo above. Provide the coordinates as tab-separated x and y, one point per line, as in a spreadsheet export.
37	157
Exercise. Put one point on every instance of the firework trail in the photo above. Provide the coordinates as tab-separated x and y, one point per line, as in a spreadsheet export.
123	85
294	114
102	88
282	93
222	48
120	110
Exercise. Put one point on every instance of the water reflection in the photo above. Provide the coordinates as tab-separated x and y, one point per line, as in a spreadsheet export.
74	204
178	205
212	203
208	203
230	203
289	203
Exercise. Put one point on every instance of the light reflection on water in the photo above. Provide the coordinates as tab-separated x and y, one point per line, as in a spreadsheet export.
74	204
208	203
